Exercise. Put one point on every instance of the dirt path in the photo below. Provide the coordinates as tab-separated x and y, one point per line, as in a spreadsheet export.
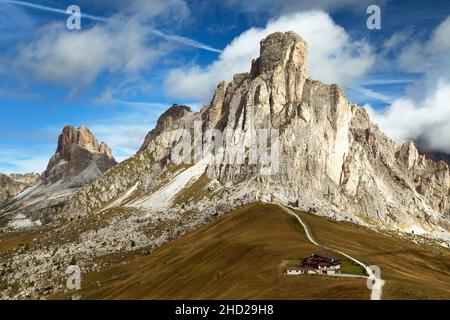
376	284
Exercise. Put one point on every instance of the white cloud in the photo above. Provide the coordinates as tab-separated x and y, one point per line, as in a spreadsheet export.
440	40
170	12
78	58
429	119
422	56
124	44
173	10
370	94
397	39
123	139
333	56
424	112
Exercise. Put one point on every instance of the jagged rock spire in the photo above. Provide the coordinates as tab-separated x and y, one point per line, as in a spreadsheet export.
281	50
77	150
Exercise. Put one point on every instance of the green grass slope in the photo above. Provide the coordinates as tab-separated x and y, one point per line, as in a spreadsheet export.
243	254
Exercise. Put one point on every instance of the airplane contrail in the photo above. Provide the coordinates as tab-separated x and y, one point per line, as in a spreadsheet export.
175	38
186	41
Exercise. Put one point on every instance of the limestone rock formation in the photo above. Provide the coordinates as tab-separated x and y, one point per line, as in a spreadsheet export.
438	156
333	161
166	122
424	148
13	184
78	155
8	188
140	173
331	155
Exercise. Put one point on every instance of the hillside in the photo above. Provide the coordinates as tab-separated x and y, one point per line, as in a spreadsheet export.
242	256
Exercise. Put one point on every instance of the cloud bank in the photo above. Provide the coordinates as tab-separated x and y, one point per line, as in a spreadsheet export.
78	58
424	112
124	44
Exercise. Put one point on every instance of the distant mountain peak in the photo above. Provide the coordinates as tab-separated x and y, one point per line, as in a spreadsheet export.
165	122
77	150
81	136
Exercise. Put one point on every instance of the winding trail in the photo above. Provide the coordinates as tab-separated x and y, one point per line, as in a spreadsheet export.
374	283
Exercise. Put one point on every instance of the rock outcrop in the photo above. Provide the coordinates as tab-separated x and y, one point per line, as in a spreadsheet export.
13	184
8	188
79	157
166	122
79	160
25	180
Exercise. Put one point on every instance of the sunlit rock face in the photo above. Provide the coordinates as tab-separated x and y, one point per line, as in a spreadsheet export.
331	155
78	152
8	188
13	184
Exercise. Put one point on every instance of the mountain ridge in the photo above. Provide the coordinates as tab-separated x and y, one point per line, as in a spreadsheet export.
334	160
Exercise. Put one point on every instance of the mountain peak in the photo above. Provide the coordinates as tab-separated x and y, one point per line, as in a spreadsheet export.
81	136
272	91
285	50
77	150
165	121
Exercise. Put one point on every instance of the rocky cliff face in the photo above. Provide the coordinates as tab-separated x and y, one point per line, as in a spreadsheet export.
8	188
332	157
12	185
166	122
436	156
138	175
79	157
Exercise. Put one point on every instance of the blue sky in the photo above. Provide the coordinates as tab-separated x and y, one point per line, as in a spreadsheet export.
117	76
